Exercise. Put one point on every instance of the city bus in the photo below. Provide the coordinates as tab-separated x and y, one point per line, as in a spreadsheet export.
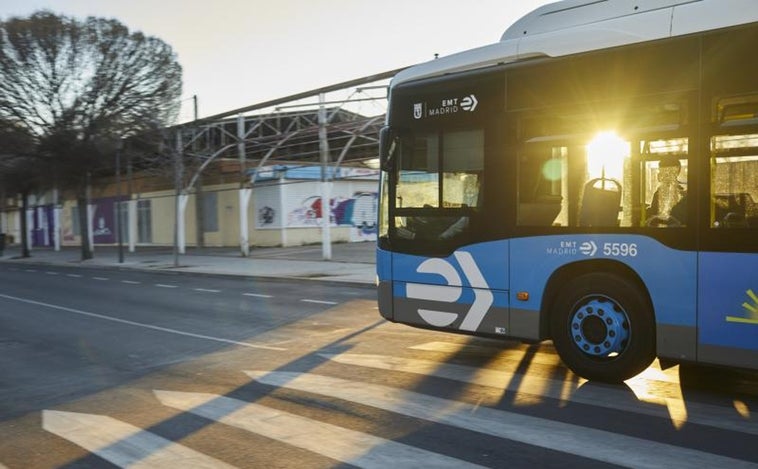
590	179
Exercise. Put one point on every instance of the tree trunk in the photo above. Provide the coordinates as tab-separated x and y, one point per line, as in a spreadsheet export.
24	225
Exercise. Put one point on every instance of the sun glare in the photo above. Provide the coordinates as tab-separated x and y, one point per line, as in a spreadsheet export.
606	153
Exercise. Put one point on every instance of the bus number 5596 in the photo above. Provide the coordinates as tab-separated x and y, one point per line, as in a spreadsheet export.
620	249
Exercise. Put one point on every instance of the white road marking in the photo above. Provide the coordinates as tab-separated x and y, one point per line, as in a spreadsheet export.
320	302
29	270
123	444
606	396
349	446
207	290
163	285
139	324
567	438
49	272
257	295
131	282
74	275
100	278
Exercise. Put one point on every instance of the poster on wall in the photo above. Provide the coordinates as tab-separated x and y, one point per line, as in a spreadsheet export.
267	207
103	220
43	225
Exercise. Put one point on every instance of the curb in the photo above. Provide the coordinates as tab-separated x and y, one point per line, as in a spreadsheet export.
172	270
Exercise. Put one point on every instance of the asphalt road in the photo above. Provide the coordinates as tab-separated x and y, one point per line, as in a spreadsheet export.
109	368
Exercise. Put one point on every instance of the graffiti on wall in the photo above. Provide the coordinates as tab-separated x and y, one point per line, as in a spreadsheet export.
358	211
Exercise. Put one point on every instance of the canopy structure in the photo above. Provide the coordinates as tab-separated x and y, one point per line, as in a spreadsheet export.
331	126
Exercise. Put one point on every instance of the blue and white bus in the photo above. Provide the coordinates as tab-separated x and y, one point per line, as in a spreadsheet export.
590	179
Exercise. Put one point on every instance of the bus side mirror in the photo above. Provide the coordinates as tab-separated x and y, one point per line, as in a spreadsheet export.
388	140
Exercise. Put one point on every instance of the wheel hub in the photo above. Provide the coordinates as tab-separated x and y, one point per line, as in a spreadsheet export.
600	328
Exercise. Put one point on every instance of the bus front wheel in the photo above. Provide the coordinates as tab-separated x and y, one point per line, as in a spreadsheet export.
603	328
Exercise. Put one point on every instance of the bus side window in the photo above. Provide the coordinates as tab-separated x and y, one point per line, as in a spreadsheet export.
734	163
542	185
733	207
664	186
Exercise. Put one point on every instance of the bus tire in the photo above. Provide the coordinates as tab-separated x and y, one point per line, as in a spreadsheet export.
603	327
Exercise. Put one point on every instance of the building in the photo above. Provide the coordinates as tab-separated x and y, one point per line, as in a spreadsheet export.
248	180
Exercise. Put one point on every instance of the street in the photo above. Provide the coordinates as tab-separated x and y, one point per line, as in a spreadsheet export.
112	368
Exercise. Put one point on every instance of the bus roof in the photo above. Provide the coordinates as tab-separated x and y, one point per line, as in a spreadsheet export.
573	26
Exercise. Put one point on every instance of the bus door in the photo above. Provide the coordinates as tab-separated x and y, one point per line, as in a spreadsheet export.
728	261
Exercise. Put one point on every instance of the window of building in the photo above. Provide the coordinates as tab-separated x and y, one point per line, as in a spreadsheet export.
210	212
121	210
76	227
144	222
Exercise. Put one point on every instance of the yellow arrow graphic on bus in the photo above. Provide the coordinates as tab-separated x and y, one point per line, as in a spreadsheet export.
751	309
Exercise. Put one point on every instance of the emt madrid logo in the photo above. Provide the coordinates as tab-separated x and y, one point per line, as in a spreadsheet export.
445	107
451	292
751	310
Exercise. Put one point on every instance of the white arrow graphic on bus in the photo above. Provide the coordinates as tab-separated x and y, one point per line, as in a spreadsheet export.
450	293
588	248
469	103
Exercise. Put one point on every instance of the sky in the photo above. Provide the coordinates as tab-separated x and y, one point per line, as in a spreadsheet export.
235	53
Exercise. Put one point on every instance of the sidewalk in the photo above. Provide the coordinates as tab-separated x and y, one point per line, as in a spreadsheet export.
350	262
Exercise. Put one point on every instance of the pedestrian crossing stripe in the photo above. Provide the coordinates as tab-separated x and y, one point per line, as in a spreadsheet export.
123	444
538	432
342	444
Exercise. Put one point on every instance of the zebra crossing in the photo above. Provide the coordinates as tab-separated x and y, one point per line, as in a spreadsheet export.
125	445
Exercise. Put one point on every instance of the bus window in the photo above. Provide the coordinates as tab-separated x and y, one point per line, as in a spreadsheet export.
734	188
439	184
664	181
734	163
573	172
462	163
543	185
604	202
418	182
577	184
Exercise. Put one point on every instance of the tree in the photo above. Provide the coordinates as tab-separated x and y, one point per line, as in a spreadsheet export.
18	171
78	87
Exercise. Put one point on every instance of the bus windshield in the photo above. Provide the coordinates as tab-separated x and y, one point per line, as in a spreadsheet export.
438	183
